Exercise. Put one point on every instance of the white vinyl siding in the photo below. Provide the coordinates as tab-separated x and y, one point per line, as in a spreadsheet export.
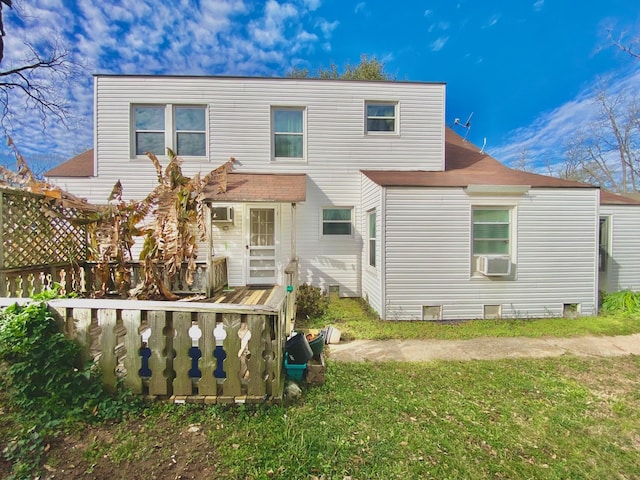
623	268
372	285
238	115
427	253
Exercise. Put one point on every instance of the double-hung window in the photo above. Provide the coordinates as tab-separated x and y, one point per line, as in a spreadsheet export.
149	122
183	128
336	221
191	132
371	220
382	117
491	231
288	126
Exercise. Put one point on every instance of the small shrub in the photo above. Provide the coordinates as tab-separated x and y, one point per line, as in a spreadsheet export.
624	302
311	301
47	385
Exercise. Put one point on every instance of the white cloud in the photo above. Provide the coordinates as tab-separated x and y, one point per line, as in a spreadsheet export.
438	44
545	139
312	5
328	27
492	21
359	7
235	37
537	6
428	13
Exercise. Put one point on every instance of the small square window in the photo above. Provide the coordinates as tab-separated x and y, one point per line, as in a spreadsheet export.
381	117
288	132
336	221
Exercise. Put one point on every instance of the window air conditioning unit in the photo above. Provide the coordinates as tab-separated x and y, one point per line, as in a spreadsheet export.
494	266
222	214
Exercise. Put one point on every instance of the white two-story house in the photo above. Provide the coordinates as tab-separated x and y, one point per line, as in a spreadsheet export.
362	183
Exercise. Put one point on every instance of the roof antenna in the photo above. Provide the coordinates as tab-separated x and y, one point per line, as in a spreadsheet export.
466	125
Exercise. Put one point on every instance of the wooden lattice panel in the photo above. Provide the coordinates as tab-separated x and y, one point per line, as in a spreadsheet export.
36	232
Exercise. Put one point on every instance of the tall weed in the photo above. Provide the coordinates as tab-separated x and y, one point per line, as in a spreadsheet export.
623	302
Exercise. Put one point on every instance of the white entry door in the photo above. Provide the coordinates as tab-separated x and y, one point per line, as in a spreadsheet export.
261	247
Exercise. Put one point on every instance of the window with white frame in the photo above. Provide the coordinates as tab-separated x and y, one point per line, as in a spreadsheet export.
191	131
183	128
288	132
381	117
371	220
336	221
149	125
491	231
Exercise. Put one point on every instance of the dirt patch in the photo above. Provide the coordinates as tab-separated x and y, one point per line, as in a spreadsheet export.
111	452
606	378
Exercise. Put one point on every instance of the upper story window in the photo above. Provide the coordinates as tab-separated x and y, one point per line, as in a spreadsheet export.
191	135
491	231
336	221
382	117
183	128
288	132
149	129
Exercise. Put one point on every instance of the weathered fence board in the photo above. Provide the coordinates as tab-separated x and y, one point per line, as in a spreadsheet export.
182	363
131	319
159	360
207	385
216	353
108	341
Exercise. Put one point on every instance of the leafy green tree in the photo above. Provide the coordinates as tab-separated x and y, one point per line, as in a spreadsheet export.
369	68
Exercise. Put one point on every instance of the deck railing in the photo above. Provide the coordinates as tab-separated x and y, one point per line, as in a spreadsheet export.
82	279
186	351
291	273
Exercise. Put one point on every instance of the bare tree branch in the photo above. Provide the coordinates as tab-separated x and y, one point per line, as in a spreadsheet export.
34	83
632	47
607	151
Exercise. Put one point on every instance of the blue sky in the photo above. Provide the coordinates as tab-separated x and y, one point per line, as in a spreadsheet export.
526	69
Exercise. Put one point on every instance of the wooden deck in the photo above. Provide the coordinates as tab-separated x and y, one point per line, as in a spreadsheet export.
245	295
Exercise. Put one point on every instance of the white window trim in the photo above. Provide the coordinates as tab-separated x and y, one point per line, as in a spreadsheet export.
337	236
303	134
170	133
513	235
374	133
369	239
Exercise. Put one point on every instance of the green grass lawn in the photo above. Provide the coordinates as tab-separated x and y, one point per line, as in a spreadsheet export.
518	419
355	321
556	418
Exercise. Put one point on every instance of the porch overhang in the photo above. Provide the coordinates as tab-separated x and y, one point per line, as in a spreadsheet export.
258	187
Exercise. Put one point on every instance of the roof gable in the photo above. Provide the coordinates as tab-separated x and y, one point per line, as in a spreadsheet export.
259	187
466	165
78	166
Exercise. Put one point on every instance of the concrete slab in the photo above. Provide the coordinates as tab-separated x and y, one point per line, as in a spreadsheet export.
490	348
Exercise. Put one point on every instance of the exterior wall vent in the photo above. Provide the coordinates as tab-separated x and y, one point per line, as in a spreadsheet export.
494	266
432	312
